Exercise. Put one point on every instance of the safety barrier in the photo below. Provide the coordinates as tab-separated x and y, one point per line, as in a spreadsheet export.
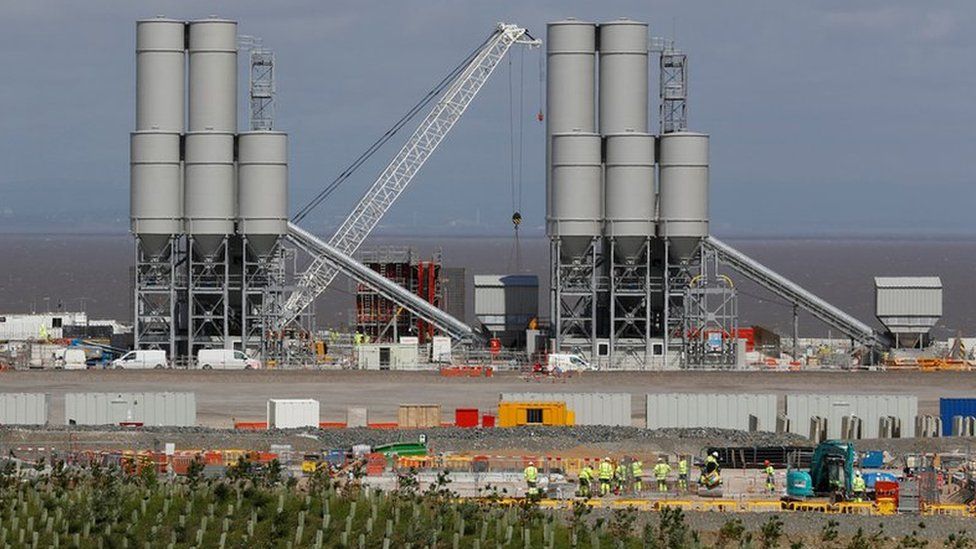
947	509
467	371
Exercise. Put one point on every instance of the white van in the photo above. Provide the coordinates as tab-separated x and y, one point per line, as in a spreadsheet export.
226	359
141	360
568	363
75	359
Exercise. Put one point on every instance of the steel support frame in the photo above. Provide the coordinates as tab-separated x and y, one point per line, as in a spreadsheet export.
710	305
631	319
575	289
262	295
208	299
157	297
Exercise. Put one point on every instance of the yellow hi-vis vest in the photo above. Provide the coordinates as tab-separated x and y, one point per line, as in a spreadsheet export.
606	471
637	468
661	471
858	484
531	473
586	473
683	467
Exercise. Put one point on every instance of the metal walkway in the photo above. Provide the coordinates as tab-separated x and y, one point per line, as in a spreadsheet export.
786	289
319	249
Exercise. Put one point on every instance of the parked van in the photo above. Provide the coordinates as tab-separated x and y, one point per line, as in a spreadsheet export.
226	359
75	359
140	360
568	363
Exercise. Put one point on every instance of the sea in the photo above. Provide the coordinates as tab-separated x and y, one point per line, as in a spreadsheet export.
92	272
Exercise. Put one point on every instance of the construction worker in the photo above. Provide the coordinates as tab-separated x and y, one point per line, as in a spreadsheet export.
619	477
531	479
357	338
858	486
683	474
661	472
606	475
713	461
770	477
585	478
637	468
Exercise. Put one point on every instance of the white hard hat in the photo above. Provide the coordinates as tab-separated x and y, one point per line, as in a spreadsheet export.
715	454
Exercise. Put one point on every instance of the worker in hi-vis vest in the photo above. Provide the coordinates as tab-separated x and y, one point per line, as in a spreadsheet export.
606	475
661	472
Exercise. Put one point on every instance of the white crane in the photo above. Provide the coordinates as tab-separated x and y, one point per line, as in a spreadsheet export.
404	166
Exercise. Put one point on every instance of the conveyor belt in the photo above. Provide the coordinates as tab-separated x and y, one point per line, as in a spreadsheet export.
781	286
318	248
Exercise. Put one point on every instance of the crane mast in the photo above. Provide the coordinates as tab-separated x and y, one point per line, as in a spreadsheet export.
401	170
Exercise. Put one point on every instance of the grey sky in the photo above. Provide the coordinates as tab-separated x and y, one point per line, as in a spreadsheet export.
830	116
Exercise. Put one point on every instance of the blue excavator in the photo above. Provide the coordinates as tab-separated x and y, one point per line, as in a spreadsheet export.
830	475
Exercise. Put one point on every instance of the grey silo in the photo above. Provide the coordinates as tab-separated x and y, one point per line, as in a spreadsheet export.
629	192
683	159
577	193
263	188
570	89
156	188
160	75
210	196
623	77
213	75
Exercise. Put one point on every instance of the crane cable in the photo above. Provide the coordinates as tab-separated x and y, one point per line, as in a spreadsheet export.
383	139
515	155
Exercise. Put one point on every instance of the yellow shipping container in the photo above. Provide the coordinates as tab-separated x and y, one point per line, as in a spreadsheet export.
514	414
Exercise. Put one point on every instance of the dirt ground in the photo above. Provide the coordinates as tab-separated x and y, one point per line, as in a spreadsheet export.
224	396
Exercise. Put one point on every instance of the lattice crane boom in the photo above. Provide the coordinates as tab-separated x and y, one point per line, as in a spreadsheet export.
408	161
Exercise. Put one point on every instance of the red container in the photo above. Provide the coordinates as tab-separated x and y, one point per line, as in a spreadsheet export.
466	417
487	420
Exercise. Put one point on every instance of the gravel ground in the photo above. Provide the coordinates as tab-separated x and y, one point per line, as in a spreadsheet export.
579	440
225	395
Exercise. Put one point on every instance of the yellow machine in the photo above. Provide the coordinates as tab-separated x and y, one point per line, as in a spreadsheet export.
312	463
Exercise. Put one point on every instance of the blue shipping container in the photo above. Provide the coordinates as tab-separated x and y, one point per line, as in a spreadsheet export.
952	407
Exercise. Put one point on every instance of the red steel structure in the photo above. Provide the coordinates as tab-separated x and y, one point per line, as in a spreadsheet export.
383	320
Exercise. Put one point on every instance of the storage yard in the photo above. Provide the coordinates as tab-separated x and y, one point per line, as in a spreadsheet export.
638	410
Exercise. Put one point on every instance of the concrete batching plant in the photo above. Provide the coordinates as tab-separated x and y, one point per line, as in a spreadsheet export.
636	278
209	206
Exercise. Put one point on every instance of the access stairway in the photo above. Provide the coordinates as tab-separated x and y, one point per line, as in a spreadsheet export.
792	292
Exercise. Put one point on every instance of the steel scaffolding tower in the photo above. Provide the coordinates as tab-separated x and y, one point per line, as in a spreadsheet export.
711	317
261	84
674	90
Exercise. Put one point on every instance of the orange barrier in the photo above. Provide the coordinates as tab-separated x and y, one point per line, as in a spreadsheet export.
390	425
467	371
375	464
250	425
332	425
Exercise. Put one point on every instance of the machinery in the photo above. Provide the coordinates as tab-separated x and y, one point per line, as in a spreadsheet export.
459	89
831	472
216	256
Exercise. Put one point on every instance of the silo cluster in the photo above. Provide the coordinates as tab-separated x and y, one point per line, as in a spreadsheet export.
209	205
619	199
191	172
